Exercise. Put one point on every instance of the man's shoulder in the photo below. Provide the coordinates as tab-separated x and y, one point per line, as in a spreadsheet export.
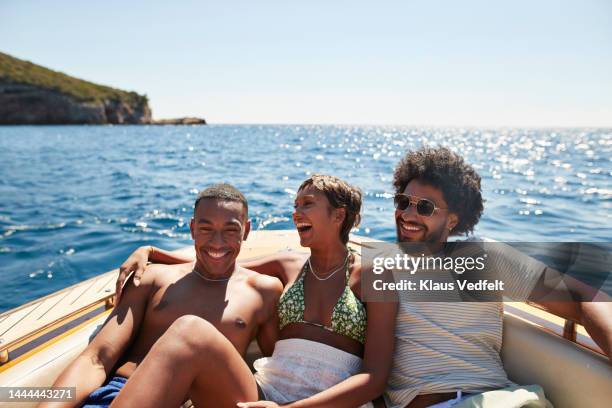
160	274
265	284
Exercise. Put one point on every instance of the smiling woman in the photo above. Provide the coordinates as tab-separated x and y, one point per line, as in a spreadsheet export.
340	196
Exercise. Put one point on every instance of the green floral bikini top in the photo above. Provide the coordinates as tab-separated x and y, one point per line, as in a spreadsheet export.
348	317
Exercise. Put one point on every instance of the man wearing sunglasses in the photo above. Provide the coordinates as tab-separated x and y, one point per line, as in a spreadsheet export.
445	350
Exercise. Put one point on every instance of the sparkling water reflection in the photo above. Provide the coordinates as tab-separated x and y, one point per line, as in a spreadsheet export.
77	199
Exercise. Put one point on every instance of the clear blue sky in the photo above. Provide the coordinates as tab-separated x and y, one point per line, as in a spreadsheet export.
480	63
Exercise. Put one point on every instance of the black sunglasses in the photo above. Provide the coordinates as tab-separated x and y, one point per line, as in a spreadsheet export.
424	207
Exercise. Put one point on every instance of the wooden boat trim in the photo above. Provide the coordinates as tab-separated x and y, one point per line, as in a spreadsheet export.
46	344
23	345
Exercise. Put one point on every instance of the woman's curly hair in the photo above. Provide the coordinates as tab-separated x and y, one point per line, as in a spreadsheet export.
442	168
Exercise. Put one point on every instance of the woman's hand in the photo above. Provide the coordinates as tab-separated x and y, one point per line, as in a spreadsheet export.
259	404
136	262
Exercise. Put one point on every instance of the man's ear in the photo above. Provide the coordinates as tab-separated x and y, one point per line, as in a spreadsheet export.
451	223
247	229
192	227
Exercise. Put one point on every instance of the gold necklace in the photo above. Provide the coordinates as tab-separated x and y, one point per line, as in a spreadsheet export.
344	265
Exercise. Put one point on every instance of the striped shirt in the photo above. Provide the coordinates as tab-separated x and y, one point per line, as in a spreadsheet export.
448	346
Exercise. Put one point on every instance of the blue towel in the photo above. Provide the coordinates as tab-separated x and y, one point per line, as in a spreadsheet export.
103	396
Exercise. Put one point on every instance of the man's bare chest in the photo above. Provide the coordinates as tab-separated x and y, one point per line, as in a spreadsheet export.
233	312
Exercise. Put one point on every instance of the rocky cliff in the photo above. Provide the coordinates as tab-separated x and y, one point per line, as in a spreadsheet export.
31	94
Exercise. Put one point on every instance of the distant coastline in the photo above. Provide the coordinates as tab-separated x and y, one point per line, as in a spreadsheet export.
34	95
179	121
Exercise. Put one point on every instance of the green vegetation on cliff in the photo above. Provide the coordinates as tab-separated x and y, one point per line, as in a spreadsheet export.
19	71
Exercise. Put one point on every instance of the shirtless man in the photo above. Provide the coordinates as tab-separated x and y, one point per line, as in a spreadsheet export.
238	302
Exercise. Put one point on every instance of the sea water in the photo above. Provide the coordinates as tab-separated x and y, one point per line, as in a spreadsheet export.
76	200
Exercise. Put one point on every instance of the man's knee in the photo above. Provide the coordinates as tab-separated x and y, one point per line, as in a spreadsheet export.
194	331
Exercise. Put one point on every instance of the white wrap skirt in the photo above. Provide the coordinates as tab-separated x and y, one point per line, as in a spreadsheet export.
300	368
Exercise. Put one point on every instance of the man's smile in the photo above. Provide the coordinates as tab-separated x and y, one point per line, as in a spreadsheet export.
409	229
216	254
